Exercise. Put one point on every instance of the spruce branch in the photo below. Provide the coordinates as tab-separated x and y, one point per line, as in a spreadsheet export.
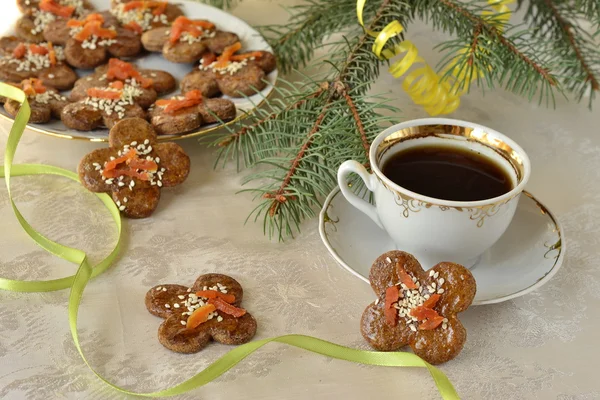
557	23
506	56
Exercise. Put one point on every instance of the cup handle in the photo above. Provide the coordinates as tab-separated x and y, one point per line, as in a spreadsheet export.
370	181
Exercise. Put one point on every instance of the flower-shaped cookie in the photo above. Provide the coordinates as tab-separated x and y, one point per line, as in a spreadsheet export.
148	83
183	113
209	310
91	40
235	75
21	60
418	308
40	13
45	102
105	106
141	16
186	40
134	168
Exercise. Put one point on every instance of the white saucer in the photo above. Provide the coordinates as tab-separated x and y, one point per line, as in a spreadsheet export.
526	256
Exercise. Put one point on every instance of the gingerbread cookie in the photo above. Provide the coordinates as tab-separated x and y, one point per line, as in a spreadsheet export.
38	14
105	106
183	113
44	61
147	84
141	16
134	168
91	40
235	75
418	308
45	103
186	40
209	310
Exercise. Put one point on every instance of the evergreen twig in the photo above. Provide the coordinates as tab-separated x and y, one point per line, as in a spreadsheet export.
297	140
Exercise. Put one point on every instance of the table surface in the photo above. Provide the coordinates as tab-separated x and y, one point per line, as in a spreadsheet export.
542	345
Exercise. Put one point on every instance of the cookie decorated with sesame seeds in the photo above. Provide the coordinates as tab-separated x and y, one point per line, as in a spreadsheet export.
141	16
207	311
91	39
183	113
186	40
45	61
231	73
418	308
38	14
45	103
134	168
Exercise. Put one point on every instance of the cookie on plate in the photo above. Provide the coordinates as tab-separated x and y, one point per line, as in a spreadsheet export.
40	13
45	103
21	60
184	113
134	168
231	73
186	40
417	307
141	16
193	316
91	40
148	84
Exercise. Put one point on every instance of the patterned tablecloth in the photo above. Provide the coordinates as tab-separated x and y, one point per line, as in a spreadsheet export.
542	345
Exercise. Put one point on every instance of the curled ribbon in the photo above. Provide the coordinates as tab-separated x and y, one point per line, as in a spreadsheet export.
86	272
423	85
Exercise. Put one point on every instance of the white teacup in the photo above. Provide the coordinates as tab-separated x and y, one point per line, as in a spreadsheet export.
436	230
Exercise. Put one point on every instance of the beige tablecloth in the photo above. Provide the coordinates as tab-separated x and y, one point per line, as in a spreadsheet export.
542	345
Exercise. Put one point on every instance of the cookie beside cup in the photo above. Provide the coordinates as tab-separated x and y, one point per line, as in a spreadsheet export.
417	307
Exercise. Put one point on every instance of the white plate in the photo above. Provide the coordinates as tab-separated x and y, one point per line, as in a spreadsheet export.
250	38
526	256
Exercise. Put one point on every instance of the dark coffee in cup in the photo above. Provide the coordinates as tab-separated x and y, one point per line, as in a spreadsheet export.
447	173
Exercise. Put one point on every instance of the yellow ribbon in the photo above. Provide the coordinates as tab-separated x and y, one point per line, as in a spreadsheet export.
423	84
86	272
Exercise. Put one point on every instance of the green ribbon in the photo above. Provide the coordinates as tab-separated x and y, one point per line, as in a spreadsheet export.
86	272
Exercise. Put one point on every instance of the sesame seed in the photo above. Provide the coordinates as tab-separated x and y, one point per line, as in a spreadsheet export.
125	200
181	297
389	261
176	305
159	183
147	141
164	289
109	181
122	208
219	318
428	296
189	290
431	272
431	290
436	275
183	322
412	328
441	281
444	326
433	285
167	306
440	291
445	320
157	159
121	183
158	288
377	301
